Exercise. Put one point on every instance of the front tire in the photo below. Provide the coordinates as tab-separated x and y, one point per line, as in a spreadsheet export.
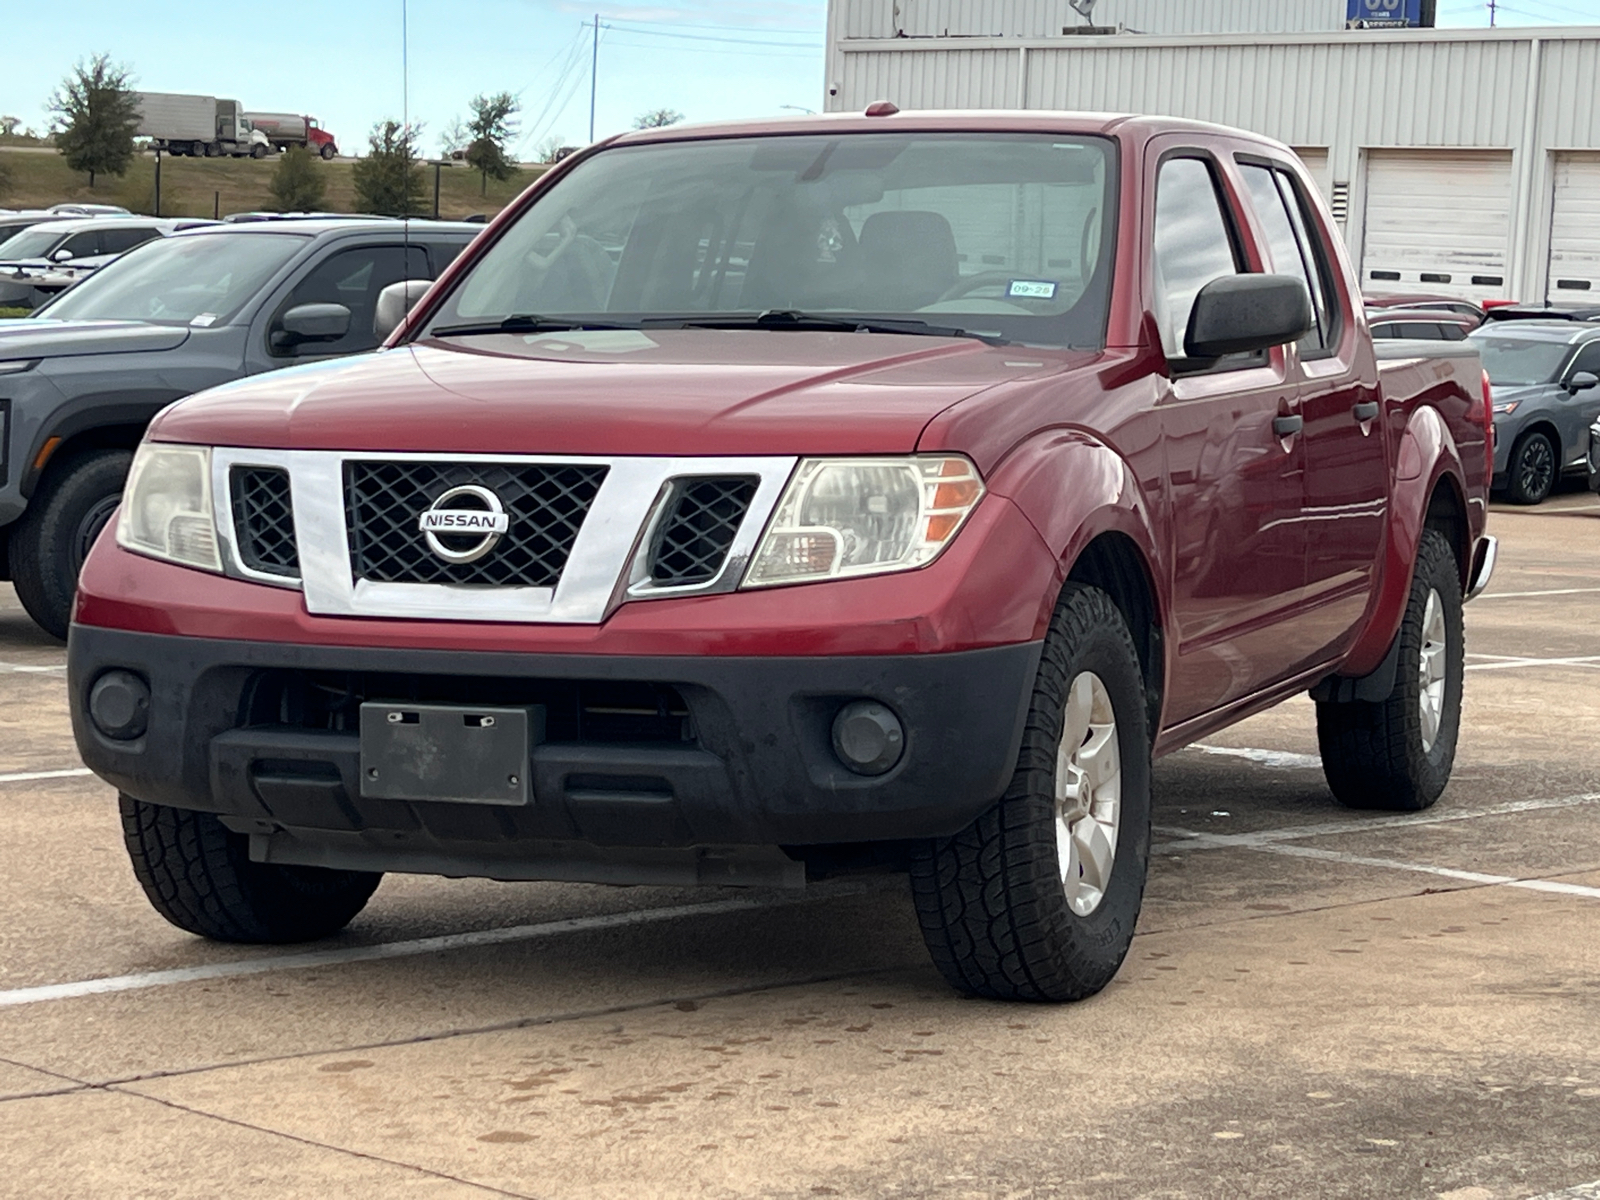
55	533
327	151
1531	469
1037	899
1397	754
197	874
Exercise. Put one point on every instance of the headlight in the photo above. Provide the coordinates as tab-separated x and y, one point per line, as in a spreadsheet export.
1509	407
166	507
841	517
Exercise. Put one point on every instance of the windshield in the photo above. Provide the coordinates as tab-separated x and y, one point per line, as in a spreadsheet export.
1000	234
179	280
31	243
1519	362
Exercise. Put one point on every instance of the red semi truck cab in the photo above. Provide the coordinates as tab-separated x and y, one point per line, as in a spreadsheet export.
757	502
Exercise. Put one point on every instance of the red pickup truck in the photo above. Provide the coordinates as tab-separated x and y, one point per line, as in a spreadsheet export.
756	503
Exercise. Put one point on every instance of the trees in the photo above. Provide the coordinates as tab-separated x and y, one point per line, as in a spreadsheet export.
297	184
552	150
492	124
388	180
657	118
98	112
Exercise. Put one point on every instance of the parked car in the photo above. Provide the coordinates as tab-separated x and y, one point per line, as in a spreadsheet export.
48	258
1594	457
84	374
750	504
1430	302
1544	312
1546	386
1405	324
75	209
13	223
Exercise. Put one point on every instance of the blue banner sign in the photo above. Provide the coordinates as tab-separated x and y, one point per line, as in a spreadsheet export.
1385	12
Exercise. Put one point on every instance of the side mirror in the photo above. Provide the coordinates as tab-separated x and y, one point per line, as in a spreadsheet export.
62	255
311	323
1237	314
1582	381
394	302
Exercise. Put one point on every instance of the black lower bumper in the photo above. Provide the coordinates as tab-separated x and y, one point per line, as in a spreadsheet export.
750	764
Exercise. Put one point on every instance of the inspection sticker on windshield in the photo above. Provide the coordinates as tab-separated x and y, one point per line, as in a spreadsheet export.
204	319
1032	289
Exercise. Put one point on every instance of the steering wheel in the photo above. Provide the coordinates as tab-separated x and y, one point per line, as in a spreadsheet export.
970	284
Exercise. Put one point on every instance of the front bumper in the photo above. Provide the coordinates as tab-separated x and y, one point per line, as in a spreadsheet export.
752	767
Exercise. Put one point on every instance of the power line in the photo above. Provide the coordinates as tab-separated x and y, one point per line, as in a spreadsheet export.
799	53
700	37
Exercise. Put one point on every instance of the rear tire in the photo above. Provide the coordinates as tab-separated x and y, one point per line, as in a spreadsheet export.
1397	754
54	535
1000	916
197	874
1531	470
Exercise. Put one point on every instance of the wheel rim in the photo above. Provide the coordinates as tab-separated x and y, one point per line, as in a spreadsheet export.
1537	467
89	528
1431	669
1088	794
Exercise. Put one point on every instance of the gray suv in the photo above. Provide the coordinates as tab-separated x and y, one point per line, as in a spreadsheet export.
81	378
1545	378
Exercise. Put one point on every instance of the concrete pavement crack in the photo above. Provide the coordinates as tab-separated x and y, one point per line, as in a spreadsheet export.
319	1145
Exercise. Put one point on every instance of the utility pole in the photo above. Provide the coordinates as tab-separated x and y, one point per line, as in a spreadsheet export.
594	66
1491	13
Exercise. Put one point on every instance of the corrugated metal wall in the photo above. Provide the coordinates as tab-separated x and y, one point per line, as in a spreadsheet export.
1351	92
1047	18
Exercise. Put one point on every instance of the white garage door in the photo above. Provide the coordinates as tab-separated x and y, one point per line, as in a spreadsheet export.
1575	229
1437	221
1316	161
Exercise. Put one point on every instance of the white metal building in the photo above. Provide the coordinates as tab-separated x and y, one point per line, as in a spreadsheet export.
1465	162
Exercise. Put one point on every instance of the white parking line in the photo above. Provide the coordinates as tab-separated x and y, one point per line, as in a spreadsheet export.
30	776
1584	1191
1192	840
386	950
1506	662
1267	758
23	669
1362	860
1524	595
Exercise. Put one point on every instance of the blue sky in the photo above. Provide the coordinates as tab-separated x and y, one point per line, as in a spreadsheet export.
341	61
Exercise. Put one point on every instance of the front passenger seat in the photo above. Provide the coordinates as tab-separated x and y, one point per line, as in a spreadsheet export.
909	259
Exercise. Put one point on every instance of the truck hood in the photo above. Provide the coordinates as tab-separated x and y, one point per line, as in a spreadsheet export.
664	392
40	337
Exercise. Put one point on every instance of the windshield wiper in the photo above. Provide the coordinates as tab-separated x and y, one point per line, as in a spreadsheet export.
794	318
525	323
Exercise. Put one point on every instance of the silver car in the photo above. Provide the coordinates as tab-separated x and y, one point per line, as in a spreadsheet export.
1545	380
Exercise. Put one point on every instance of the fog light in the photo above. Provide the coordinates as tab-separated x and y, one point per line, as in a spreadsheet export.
868	737
119	705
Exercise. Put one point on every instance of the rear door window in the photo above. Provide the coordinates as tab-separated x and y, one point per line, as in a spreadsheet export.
1290	246
117	241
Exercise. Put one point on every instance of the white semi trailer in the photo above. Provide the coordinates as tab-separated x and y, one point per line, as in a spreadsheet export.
202	126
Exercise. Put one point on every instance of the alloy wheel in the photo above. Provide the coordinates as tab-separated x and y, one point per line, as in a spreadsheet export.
1088	794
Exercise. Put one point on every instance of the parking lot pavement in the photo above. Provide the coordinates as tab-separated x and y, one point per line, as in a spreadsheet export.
1319	1003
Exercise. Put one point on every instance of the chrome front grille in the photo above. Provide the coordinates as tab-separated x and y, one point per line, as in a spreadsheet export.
546	505
701	520
581	534
263	520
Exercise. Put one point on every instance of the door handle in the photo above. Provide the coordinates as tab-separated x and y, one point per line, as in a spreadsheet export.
1287	426
1366	410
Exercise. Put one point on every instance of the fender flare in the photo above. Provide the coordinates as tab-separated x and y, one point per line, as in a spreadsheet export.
1073	488
1426	455
85	414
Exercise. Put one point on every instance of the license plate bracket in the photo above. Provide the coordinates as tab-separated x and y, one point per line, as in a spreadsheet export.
452	753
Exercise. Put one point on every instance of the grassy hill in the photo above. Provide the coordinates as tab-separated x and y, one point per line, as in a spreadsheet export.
198	187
